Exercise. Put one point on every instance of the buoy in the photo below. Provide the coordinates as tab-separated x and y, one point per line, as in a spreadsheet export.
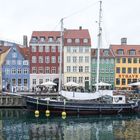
47	113
64	114
36	112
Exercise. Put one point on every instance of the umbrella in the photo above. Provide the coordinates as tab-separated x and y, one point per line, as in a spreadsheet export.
134	84
103	84
49	83
71	84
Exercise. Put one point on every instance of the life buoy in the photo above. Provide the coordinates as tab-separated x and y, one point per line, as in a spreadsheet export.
116	99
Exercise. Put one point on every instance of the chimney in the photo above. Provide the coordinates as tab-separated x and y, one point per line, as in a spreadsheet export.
80	27
124	41
25	41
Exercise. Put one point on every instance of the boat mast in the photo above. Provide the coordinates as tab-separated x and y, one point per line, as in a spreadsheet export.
99	45
60	63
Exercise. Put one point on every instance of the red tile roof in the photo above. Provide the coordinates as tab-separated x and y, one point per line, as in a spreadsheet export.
126	49
110	55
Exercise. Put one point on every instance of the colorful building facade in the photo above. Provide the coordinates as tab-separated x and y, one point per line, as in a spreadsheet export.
106	67
44	57
77	54
127	64
15	76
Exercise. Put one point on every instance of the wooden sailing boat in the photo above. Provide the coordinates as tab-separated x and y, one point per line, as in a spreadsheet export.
84	103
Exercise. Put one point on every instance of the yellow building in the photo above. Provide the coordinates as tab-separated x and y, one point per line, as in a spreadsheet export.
127	64
3	52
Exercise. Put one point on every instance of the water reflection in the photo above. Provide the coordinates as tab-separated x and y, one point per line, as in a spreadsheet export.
22	125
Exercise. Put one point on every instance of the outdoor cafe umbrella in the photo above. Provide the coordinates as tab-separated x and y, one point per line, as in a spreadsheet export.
49	83
71	84
102	84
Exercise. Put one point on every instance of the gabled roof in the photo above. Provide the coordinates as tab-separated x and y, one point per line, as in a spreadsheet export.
110	54
126	49
3	49
25	52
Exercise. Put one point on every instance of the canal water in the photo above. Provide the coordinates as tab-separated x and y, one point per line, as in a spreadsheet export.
23	125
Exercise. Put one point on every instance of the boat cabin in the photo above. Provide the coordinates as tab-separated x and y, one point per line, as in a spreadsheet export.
119	99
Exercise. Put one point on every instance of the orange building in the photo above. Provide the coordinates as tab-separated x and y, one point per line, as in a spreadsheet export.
127	64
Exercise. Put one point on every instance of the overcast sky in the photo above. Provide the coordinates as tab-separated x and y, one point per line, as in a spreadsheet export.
121	18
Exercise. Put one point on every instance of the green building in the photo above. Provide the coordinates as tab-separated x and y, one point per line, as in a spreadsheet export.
106	67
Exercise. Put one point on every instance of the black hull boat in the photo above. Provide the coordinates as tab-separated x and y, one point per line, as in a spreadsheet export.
81	107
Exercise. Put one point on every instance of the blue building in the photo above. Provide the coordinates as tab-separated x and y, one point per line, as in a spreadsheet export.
15	70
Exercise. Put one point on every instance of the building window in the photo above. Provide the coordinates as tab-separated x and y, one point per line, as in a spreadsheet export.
19	62
74	68
128	81
86	59
42	39
81	49
123	81
120	52
129	60
118	60
25	82
132	52
34	39
134	60
25	71
14	55
85	40
74	50
106	52
7	71
68	49
33	48
68	59
117	81
69	40
47	59
53	59
86	50
75	79
47	70
74	59
94	61
19	82
53	69
40	48
134	70
40	81
34	70
47	49
34	81
77	40
80	68
68	79
40	59
86	78
40	70
33	59
80	79
13	82
123	70
80	59
50	39
19	71
117	70
86	68
68	69
129	70
53	49
13	62
13	71
123	60
58	59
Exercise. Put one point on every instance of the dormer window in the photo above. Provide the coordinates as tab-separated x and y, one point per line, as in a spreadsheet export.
106	53
50	39
132	52
58	39
69	40
42	39
85	40
34	39
120	52
77	40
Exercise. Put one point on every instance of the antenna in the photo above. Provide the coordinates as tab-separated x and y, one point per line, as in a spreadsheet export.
99	45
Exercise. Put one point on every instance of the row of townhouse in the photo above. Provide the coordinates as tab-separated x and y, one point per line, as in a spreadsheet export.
25	68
